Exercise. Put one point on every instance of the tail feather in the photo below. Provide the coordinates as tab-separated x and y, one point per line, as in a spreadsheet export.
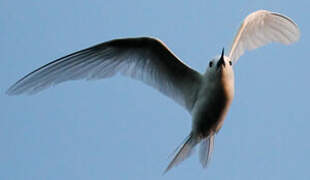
206	149
184	151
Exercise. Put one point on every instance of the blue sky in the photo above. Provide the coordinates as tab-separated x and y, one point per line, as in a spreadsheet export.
122	129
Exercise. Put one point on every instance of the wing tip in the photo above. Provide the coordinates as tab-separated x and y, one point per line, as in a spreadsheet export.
15	90
295	29
11	91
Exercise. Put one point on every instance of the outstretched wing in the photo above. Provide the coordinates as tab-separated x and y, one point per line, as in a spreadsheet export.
260	28
145	59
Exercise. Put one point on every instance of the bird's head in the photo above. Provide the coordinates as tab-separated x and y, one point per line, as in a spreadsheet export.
220	66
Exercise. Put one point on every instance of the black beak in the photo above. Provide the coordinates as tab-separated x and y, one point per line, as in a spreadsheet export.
221	61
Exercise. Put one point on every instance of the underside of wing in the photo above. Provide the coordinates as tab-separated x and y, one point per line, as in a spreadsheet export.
260	28
146	59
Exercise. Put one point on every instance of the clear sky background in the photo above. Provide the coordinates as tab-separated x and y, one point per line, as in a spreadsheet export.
122	129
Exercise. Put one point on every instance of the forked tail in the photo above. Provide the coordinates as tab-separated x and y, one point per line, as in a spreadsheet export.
186	149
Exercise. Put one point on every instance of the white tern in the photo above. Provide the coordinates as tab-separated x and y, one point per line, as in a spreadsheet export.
206	97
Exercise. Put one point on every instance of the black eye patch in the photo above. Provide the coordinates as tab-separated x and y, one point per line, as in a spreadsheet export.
230	63
210	64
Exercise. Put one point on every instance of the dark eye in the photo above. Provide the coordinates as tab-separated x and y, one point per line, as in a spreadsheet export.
230	63
210	64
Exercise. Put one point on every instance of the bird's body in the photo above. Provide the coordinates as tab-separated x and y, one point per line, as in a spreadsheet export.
214	99
206	97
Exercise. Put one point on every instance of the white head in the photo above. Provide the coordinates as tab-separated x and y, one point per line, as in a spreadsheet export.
220	67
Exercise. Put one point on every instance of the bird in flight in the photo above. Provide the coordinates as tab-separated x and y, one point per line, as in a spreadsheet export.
206	96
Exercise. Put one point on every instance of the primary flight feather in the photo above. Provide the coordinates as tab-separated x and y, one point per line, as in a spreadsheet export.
206	97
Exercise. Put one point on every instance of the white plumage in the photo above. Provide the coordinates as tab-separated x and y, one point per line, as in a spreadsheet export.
206	97
260	28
